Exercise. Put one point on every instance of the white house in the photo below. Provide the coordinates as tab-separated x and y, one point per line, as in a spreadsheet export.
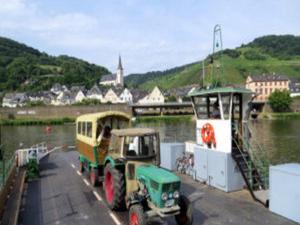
116	79
111	96
138	95
126	96
13	100
64	98
79	96
36	96
78	93
155	96
294	87
181	93
58	88
94	93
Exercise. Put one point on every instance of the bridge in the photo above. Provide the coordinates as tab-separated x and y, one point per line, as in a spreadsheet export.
168	108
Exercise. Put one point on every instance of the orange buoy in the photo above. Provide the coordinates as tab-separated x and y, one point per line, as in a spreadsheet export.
48	129
208	134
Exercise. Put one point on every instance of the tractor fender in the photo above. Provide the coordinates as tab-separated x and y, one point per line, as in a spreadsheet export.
109	159
116	163
134	198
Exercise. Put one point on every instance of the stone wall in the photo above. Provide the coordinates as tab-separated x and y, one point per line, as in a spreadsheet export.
295	106
51	112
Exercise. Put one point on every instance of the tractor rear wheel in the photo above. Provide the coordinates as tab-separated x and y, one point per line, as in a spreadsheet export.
136	215
114	187
94	176
81	167
185	217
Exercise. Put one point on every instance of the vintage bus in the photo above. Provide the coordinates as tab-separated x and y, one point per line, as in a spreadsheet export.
93	138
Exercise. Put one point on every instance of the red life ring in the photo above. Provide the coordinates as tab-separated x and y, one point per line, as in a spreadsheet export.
208	134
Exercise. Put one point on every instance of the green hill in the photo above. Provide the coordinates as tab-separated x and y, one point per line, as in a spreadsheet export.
24	68
269	54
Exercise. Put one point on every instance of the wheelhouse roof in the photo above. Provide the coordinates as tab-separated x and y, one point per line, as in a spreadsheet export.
220	90
93	117
133	132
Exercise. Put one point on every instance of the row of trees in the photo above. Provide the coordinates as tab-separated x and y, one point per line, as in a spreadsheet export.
24	68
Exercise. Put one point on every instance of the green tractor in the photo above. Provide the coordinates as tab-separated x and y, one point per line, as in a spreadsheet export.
132	176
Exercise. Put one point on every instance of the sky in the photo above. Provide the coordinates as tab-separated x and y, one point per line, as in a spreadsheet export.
149	34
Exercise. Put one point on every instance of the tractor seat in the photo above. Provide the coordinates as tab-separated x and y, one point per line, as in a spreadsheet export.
131	153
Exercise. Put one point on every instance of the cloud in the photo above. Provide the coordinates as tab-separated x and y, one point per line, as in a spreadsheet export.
150	35
12	6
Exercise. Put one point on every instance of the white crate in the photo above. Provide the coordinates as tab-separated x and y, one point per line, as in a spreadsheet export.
285	190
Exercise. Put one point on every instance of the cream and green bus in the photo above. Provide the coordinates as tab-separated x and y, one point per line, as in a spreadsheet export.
93	138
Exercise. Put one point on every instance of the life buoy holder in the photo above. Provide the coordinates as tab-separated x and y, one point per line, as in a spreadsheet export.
208	135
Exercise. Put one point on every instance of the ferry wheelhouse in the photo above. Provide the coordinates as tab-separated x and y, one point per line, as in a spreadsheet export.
225	155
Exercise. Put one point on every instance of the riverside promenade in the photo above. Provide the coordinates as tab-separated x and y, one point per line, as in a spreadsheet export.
64	196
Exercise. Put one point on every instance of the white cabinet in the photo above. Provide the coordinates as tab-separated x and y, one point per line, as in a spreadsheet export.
217	169
169	153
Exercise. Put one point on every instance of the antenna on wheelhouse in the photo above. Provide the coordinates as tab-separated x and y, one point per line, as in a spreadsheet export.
216	58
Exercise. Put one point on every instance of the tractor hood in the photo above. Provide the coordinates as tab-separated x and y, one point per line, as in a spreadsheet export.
157	174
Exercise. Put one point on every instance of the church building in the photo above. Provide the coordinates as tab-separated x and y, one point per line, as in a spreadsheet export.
116	79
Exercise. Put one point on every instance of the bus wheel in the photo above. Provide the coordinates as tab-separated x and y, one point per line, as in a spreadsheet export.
94	177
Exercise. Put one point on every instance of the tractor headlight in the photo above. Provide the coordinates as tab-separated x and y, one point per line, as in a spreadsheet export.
176	194
164	196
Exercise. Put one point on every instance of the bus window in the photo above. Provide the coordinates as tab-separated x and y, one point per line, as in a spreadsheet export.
79	127
89	129
83	128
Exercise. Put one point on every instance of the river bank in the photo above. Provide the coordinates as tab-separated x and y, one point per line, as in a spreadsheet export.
280	116
32	121
64	120
142	119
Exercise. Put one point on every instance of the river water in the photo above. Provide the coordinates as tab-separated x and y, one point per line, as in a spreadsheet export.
279	138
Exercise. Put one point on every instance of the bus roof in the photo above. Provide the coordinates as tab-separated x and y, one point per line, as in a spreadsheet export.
96	116
133	131
217	90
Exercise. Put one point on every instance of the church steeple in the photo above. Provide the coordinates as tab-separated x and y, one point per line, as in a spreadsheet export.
120	79
120	67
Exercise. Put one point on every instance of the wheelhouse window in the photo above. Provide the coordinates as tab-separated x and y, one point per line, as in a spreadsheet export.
200	107
207	107
226	102
140	146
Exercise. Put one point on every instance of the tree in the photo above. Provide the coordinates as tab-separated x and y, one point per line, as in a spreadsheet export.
280	101
90	101
171	98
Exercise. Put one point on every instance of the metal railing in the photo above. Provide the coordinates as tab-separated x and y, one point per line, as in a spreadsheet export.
257	154
6	166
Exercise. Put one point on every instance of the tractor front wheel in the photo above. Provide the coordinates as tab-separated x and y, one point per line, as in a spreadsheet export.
136	215
114	187
94	176
185	217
